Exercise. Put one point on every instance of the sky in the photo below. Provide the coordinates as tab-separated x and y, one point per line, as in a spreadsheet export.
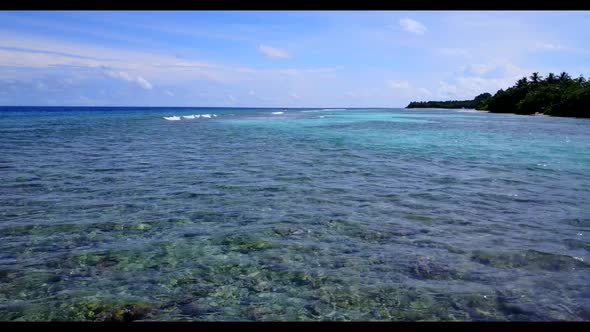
279	58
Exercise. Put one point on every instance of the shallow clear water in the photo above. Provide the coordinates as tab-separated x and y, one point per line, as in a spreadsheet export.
370	214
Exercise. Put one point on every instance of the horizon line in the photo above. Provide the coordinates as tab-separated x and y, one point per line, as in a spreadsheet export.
326	107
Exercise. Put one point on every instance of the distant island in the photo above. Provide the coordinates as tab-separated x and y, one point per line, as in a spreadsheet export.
556	95
472	104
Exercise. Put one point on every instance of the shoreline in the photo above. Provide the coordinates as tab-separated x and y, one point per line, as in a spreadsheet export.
471	110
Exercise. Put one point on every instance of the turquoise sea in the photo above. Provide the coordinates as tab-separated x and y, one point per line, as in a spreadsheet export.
309	214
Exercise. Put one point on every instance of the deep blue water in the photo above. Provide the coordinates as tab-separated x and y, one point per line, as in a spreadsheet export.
358	214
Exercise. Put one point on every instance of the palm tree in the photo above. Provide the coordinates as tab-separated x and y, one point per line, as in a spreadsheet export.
535	77
551	78
564	77
522	82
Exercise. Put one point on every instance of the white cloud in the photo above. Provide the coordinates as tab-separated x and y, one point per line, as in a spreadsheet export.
497	68
35	59
548	46
412	26
124	76
364	93
425	91
120	75
144	83
405	90
273	52
398	84
447	90
482	69
469	87
320	70
145	69
454	52
476	78
290	72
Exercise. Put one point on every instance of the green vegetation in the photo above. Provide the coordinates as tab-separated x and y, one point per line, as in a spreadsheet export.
471	104
556	95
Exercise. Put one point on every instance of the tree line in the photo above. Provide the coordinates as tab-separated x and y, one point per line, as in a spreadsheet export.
451	103
556	95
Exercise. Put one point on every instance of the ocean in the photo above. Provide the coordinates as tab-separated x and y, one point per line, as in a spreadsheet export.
298	214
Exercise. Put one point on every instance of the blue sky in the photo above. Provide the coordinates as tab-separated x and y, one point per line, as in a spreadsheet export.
279	58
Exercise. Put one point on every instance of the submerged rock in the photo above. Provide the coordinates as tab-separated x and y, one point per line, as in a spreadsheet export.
437	245
427	268
475	306
584	312
286	231
513	305
529	259
109	226
109	312
578	222
577	244
196	309
255	313
405	232
93	259
244	243
6	275
304	248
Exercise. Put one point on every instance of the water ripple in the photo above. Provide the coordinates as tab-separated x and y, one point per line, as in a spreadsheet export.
358	215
